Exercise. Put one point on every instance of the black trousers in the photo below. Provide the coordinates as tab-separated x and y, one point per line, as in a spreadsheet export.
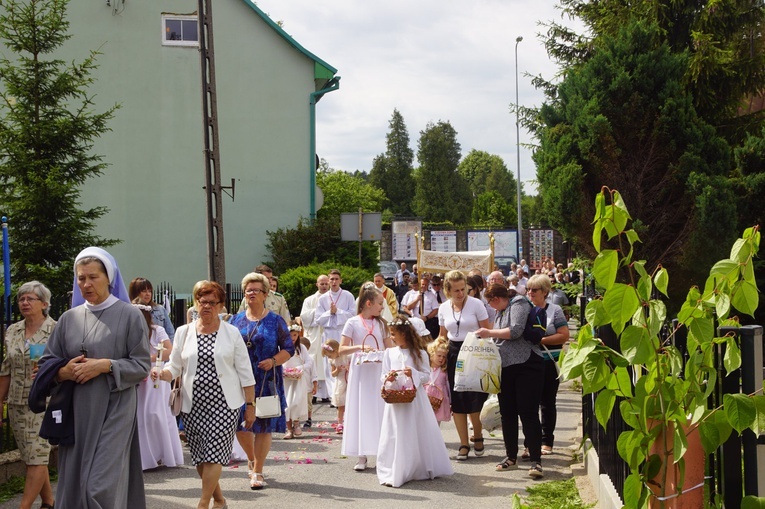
520	394
547	405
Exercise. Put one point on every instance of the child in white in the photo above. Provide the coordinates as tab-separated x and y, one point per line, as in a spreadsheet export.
298	376
438	384
340	365
157	428
364	336
411	446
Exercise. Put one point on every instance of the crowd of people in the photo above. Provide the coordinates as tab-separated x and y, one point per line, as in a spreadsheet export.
101	388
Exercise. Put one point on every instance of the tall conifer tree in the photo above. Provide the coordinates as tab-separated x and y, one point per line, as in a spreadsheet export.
47	129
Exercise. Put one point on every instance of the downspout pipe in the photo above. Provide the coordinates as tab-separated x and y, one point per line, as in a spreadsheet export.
331	86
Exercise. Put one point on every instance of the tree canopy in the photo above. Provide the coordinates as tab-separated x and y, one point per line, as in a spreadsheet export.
487	172
441	193
47	130
392	171
649	100
344	192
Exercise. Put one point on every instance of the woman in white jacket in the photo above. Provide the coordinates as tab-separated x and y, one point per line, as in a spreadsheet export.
217	380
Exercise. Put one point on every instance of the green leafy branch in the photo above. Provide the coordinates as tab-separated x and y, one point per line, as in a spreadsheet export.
660	395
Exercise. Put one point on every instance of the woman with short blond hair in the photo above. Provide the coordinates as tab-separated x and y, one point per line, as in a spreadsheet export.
266	338
457	316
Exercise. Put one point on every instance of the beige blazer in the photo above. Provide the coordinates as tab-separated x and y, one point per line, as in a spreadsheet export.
232	363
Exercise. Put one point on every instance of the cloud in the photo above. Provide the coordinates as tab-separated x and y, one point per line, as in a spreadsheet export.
432	59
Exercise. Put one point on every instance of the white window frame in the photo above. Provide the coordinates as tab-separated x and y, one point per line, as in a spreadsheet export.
179	17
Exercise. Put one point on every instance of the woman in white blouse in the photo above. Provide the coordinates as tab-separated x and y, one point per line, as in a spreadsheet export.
457	316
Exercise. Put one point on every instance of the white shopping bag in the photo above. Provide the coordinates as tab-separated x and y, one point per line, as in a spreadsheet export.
491	419
479	366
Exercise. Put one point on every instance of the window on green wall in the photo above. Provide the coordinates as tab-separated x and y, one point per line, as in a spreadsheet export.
180	31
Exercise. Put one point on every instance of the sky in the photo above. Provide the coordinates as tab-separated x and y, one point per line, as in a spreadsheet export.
432	60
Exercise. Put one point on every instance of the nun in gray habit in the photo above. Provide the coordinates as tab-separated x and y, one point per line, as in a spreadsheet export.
106	341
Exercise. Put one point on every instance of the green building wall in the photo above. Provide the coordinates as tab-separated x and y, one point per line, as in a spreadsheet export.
154	186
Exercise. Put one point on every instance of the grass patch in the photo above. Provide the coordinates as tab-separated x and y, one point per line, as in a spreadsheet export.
551	495
15	485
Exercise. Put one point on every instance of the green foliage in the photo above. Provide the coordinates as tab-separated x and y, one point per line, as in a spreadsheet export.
308	243
441	193
667	399
486	172
752	502
491	209
551	495
533	211
624	118
344	192
723	42
392	171
299	283
15	485
47	132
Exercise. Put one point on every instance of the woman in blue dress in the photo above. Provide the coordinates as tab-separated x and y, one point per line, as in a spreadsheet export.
267	338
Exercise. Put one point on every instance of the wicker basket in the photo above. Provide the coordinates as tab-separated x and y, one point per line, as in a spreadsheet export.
398	395
370	358
435	400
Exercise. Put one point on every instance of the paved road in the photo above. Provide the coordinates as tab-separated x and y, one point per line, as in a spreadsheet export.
311	473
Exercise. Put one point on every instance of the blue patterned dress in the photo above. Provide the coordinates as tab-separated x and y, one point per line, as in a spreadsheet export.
264	339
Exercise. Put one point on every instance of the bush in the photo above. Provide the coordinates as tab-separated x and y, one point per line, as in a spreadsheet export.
299	283
308	243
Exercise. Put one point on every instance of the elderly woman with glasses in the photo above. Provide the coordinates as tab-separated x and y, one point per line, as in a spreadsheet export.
24	342
556	335
457	316
266	337
521	384
216	382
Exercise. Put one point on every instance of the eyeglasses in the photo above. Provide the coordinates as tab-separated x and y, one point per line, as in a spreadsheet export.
208	303
253	291
28	299
533	289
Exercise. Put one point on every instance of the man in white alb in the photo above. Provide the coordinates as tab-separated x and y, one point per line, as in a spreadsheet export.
334	309
313	331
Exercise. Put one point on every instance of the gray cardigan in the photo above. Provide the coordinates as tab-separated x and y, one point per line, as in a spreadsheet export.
515	350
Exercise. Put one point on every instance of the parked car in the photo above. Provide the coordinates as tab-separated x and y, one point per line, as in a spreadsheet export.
389	269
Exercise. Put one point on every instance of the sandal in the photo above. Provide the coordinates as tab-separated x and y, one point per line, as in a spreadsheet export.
47	506
547	450
250	469
258	481
460	456
339	429
536	472
507	464
478	452
526	456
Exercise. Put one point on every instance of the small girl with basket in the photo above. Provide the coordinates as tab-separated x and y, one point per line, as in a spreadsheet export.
411	446
298	376
438	385
340	366
364	337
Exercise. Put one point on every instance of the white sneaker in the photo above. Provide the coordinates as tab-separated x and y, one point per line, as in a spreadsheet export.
361	465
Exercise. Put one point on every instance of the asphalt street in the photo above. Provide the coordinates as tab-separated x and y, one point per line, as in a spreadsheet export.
310	472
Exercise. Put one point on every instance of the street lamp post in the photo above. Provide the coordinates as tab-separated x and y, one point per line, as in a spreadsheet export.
518	152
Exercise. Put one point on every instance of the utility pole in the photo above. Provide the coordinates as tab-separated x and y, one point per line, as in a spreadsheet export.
216	260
